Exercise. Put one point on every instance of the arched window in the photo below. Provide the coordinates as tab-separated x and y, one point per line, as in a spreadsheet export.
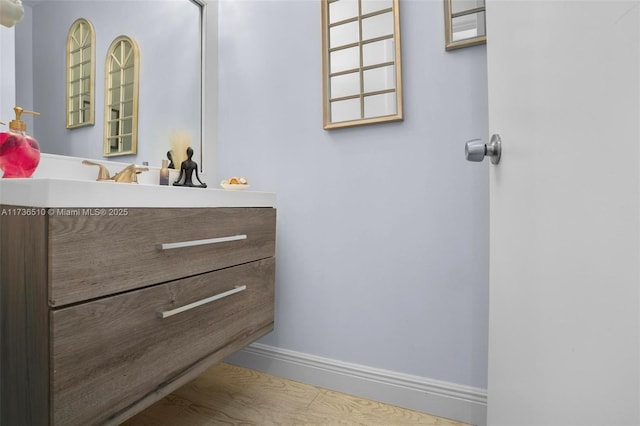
121	97
81	42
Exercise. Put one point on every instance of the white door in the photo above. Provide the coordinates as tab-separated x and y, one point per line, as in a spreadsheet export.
564	295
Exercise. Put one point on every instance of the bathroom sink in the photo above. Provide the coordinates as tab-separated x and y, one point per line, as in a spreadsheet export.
57	192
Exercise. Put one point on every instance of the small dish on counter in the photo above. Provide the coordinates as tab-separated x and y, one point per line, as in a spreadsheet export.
234	186
235	183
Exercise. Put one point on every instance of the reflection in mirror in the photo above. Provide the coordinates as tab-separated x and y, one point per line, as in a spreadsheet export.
464	23
81	42
121	97
169	34
361	62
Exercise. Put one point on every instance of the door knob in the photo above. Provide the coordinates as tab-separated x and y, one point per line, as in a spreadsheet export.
475	150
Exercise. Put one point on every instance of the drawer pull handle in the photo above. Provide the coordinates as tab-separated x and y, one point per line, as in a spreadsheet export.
236	289
192	243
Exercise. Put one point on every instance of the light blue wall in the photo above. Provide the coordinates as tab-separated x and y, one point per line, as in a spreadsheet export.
382	230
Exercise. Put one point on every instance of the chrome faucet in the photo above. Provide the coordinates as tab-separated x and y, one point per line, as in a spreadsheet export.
127	175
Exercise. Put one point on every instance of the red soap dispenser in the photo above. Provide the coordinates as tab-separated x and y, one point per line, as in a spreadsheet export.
19	152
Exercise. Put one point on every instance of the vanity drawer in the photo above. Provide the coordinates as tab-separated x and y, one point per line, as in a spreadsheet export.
110	353
96	255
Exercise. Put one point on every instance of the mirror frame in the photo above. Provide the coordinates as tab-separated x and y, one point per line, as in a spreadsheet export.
70	108
328	124
449	16
209	76
109	103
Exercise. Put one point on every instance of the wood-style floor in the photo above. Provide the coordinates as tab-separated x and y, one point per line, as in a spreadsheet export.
231	395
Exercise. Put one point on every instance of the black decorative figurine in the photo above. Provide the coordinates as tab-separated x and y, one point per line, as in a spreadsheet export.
170	157
187	168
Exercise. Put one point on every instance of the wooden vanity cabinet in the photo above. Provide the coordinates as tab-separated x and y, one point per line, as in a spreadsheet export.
102	315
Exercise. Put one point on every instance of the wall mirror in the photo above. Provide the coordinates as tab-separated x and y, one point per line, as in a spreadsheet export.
121	97
464	23
362	71
177	40
81	41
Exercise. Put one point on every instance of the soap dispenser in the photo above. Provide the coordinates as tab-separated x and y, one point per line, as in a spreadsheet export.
19	152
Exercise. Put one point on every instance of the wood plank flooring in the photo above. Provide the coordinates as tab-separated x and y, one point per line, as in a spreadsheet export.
232	395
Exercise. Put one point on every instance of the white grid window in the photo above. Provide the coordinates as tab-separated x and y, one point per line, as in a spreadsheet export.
361	62
80	74
121	97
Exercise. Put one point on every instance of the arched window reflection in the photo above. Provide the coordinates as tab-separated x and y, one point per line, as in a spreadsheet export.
80	74
121	97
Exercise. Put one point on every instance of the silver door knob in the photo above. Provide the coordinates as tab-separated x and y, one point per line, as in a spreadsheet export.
476	150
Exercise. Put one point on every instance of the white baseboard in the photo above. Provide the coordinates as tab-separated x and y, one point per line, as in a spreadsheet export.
461	403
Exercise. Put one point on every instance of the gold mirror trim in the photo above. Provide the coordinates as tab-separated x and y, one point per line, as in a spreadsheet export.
92	72
449	16
362	95
135	52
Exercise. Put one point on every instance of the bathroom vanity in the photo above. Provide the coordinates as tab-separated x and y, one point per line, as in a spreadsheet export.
109	303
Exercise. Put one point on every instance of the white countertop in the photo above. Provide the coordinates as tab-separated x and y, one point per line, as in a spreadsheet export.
42	190
51	192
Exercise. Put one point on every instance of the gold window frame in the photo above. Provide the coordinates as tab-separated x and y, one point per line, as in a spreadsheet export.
329	101
451	42
80	85
122	68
